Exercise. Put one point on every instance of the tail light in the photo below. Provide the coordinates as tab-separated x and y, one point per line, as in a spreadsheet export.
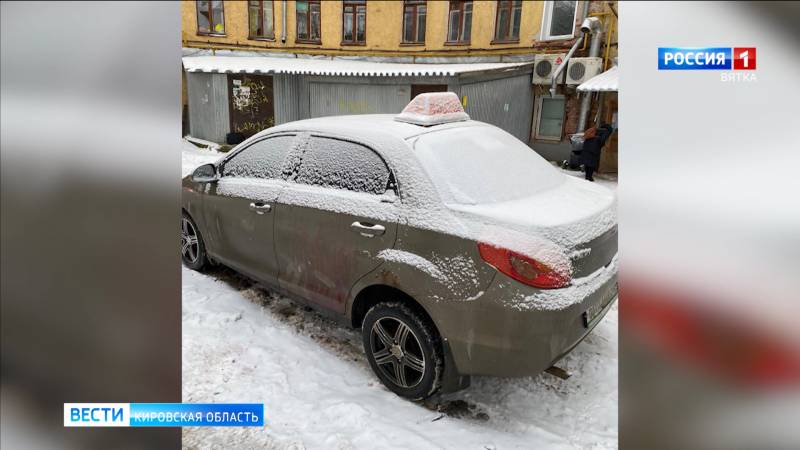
711	340
524	269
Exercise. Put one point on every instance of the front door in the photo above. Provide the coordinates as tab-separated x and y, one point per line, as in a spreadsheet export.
337	212
241	207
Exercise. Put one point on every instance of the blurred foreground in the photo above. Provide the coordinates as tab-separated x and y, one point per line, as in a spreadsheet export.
90	275
709	232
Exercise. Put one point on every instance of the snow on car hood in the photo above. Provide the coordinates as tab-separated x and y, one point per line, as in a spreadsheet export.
569	214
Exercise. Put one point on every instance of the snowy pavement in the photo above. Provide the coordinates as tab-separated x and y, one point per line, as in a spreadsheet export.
244	344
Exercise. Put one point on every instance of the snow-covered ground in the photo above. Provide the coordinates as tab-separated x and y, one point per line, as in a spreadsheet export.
244	344
193	156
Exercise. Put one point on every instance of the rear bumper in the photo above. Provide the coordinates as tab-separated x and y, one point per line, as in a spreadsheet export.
515	330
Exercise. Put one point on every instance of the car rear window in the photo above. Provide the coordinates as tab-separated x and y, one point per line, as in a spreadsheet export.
342	165
263	159
475	165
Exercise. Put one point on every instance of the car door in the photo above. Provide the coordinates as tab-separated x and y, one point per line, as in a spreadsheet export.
241	207
337	212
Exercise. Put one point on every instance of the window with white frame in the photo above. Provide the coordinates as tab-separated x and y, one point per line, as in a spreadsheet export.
558	20
550	118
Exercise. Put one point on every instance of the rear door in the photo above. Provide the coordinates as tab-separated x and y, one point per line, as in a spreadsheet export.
337	212
241	207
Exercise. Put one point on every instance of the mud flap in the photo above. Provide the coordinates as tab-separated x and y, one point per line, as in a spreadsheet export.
452	381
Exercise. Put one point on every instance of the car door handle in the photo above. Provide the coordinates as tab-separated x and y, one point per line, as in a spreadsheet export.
260	208
368	229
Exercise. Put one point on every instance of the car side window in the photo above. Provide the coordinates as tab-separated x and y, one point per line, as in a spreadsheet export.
263	159
341	164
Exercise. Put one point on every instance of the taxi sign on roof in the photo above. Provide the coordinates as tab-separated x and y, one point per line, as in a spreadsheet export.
433	108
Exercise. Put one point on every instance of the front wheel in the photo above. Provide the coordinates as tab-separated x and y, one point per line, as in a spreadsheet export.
193	250
403	349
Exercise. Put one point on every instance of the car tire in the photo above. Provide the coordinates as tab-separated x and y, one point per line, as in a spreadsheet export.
404	350
193	249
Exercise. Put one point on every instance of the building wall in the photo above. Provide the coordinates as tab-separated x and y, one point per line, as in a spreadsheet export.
508	103
384	30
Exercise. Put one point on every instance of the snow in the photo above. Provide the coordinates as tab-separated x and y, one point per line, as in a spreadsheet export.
480	165
607	81
193	156
258	189
339	67
433	108
410	259
607	180
263	159
243	344
577	291
343	165
458	274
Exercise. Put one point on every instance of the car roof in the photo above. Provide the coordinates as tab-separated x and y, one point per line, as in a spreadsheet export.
367	126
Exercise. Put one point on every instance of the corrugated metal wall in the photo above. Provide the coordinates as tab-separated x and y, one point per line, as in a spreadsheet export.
291	98
209	117
330	99
506	103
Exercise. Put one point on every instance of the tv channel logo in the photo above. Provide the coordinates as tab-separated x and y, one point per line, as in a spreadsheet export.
163	414
708	58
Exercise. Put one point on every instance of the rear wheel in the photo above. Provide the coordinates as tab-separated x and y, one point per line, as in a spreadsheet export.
193	250
404	350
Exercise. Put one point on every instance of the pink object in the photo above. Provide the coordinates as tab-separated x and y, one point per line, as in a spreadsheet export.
432	109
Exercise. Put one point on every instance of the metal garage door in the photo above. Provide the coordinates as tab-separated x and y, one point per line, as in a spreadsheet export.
208	105
333	99
506	103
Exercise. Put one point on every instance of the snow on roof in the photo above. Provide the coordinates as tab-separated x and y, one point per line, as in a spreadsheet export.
607	81
276	65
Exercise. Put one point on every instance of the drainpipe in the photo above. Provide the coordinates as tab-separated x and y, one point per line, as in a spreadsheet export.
283	28
590	25
594	50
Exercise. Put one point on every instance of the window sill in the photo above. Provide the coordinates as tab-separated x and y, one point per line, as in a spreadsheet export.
302	41
353	44
262	38
548	140
455	43
412	44
212	34
499	42
557	38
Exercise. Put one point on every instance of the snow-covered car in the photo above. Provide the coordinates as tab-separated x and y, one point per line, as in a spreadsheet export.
456	248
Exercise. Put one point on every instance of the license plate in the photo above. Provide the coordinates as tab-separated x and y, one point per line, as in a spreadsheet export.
593	312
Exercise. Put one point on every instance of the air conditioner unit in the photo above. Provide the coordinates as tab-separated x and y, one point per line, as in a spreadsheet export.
581	69
544	66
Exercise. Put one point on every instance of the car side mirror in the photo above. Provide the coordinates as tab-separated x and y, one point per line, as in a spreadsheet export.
206	173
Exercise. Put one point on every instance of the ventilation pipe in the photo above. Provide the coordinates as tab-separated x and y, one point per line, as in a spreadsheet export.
589	25
594	50
283	26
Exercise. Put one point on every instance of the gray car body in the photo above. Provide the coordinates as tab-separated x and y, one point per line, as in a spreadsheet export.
305	247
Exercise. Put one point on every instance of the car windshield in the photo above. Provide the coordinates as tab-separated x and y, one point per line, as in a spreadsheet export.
482	164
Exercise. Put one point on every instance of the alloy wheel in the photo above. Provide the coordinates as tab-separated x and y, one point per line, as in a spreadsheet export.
190	245
397	352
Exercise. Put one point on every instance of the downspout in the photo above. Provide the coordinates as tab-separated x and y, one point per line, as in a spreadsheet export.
586	102
590	25
283	27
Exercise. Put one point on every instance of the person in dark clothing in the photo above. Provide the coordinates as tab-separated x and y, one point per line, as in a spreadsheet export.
593	141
